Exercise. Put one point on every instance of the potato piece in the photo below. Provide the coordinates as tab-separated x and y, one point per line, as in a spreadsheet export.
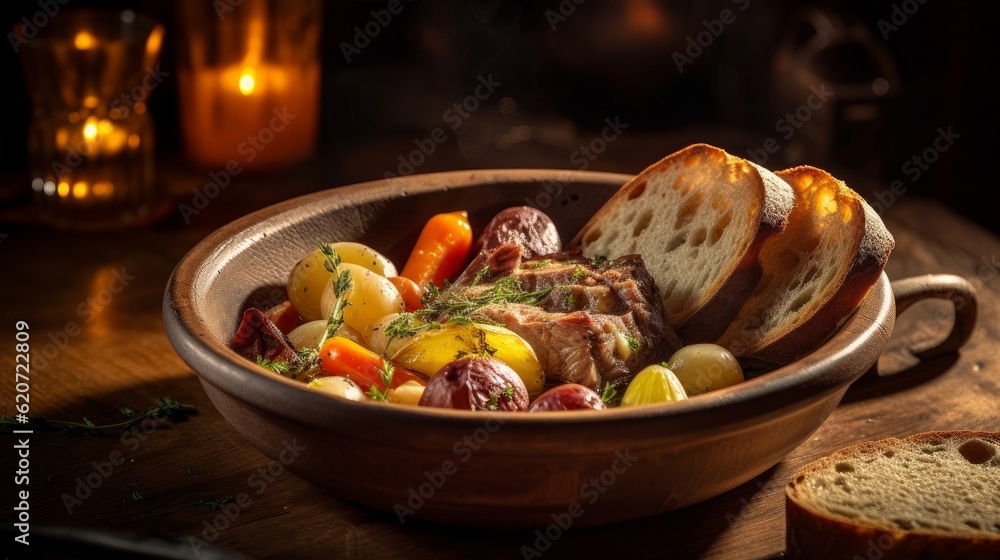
432	349
307	335
371	297
309	278
338	386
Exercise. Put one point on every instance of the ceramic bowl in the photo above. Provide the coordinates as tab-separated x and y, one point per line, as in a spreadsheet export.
499	469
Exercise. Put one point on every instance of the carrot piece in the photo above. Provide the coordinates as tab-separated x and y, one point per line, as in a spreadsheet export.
341	356
410	292
441	250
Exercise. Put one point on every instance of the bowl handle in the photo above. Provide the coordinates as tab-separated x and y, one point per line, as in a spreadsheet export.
959	291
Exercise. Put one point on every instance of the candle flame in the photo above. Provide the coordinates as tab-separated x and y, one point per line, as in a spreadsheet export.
90	131
247	81
79	189
84	40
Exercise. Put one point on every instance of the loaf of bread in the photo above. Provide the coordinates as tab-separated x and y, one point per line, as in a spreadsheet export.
816	271
699	218
934	495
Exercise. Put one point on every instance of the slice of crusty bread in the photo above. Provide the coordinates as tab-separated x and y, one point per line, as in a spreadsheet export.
931	495
698	218
816	271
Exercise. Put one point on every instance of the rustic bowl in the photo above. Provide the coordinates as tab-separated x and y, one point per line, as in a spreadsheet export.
499	469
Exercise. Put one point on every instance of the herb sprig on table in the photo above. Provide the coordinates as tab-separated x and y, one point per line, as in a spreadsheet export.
168	407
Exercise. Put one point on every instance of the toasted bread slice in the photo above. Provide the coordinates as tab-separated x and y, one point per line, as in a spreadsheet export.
816	271
931	495
698	218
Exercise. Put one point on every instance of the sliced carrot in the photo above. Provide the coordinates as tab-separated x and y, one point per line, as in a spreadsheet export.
409	290
441	250
341	356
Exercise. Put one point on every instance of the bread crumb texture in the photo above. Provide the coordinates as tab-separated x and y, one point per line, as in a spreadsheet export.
804	265
929	483
692	214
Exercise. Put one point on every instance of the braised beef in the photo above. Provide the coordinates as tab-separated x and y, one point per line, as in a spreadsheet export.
598	323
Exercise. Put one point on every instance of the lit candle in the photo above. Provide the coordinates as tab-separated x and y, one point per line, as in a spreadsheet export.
249	85
91	160
260	115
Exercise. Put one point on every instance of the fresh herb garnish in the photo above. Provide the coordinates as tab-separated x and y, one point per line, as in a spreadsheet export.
493	403
632	343
480	275
342	284
608	394
460	308
541	264
508	391
136	496
385	372
568	300
580	273
168	407
214	504
281	368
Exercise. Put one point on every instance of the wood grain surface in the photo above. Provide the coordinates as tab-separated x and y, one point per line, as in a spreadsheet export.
94	350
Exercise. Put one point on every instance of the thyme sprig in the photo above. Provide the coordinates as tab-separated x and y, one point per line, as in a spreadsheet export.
385	372
169	407
460	307
309	357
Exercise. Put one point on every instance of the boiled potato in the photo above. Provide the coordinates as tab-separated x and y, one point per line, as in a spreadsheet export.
306	284
376	339
363	255
338	386
652	385
310	277
307	335
431	349
371	297
705	367
408	393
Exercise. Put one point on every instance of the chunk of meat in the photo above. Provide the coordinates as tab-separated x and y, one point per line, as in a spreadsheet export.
599	323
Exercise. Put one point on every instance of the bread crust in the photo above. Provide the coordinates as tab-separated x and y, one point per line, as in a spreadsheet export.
869	260
719	303
815	533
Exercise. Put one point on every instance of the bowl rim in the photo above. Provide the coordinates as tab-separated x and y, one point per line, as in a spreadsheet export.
852	349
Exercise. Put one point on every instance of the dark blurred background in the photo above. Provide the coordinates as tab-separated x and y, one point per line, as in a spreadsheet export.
858	87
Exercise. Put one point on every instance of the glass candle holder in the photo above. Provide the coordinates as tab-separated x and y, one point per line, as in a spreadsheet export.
90	140
248	76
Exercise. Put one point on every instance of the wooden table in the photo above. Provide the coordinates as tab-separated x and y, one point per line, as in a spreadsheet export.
93	305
